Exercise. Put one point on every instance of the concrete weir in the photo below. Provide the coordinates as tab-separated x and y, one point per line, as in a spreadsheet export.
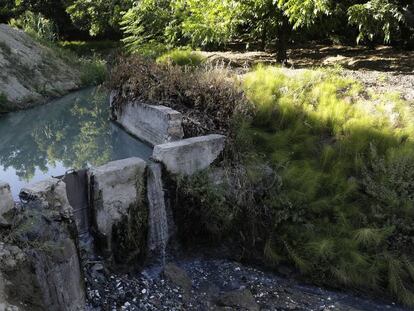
153	124
187	156
116	187
121	203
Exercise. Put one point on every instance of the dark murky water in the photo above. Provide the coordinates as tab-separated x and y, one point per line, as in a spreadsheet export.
68	133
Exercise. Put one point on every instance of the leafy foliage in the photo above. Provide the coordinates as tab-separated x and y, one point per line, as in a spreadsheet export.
7	9
376	18
259	20
305	13
98	17
217	23
206	22
145	23
37	25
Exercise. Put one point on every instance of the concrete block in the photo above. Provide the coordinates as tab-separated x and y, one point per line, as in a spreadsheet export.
116	187
187	156
152	124
6	199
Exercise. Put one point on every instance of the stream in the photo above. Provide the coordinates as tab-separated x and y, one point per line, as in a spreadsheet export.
72	132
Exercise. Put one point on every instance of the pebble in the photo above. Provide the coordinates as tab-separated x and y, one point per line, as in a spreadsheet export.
129	292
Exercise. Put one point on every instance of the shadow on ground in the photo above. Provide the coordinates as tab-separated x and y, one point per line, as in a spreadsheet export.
382	58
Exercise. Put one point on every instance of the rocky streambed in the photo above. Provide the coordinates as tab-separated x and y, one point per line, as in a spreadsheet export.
200	283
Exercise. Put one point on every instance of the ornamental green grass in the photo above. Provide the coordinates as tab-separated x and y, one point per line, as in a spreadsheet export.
345	158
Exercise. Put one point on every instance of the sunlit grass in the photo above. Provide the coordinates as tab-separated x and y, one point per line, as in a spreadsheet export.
342	153
181	57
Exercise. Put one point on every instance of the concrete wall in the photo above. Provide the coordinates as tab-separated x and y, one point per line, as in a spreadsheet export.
152	124
190	155
116	187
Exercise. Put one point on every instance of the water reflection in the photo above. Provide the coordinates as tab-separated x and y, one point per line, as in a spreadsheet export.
72	132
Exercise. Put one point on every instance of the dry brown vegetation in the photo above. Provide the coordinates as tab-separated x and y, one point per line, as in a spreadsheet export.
208	97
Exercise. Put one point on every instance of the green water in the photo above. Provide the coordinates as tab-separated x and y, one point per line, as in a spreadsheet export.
69	133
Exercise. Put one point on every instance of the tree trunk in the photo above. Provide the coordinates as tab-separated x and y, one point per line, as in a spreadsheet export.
264	37
283	35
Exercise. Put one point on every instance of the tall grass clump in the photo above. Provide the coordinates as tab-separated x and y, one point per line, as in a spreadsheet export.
93	71
36	25
345	158
181	58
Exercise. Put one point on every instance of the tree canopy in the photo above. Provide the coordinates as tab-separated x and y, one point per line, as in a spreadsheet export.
220	23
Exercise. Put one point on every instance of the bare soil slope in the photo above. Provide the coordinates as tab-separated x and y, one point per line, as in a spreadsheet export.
30	72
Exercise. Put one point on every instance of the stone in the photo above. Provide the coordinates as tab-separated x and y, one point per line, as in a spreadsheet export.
51	193
4	223
188	156
4	304
152	124
116	187
178	276
6	199
239	299
44	272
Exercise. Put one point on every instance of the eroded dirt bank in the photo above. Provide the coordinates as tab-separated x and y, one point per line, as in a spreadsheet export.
30	72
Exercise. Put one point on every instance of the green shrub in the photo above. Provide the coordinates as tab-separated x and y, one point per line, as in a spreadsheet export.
229	202
150	50
36	25
83	48
181	58
93	71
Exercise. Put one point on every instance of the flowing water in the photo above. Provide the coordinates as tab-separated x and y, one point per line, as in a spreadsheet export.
72	132
158	234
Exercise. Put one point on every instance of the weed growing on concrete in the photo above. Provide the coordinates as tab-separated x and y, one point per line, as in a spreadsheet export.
207	97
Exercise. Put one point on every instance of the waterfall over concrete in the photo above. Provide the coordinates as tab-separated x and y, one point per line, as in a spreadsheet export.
158	233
